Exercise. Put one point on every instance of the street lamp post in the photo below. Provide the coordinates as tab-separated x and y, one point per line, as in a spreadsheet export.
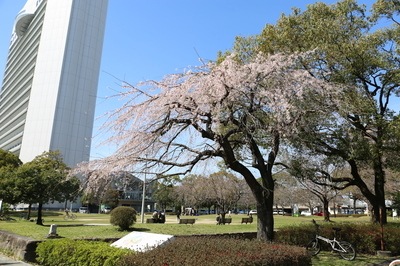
143	196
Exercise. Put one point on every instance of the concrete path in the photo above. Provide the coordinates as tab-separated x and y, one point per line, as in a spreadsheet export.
6	261
387	262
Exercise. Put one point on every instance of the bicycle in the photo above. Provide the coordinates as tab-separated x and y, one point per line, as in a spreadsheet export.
70	216
345	249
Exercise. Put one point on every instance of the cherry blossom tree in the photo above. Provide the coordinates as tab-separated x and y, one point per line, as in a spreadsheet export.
235	111
359	48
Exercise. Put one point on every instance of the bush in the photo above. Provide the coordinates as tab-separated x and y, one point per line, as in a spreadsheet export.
365	237
219	251
78	253
123	217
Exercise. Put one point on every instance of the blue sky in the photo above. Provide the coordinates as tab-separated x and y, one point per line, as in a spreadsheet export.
151	38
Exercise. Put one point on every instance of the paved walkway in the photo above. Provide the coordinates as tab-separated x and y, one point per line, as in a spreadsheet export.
384	262
6	261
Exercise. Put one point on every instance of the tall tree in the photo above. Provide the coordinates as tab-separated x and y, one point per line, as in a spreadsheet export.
111	198
318	183
9	159
225	189
42	180
164	191
247	200
235	111
70	189
351	49
192	191
285	191
9	163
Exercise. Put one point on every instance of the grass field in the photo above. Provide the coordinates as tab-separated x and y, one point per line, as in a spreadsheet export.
90	226
98	225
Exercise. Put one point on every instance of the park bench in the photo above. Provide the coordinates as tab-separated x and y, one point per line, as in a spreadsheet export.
150	221
247	220
187	221
227	221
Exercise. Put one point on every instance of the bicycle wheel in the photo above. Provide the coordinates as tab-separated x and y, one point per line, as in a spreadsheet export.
313	247
349	253
73	216
66	217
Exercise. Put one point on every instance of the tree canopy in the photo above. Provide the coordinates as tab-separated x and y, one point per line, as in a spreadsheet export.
43	180
236	111
9	162
9	159
352	49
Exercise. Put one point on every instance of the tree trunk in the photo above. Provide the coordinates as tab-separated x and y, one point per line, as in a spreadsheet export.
265	219
263	193
377	209
379	204
326	209
334	209
377	200
380	179
28	215
311	208
39	218
223	217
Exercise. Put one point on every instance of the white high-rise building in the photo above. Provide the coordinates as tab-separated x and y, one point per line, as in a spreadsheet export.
49	89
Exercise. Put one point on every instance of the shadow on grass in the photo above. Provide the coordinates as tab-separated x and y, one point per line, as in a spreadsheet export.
34	213
137	229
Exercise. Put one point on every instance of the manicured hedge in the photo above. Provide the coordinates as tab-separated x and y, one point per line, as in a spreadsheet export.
123	216
288	248
219	251
365	237
78	253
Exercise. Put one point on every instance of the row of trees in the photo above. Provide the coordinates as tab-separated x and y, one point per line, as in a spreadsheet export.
224	191
318	83
220	190
45	179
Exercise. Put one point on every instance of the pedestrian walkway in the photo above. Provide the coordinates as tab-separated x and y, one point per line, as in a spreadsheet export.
6	261
386	262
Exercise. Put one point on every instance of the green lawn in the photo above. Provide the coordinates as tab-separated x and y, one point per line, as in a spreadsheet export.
97	225
89	226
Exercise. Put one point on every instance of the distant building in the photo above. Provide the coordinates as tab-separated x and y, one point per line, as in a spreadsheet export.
130	190
132	196
48	93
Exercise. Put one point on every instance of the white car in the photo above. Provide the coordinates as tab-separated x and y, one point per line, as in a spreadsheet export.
83	210
106	210
252	212
305	213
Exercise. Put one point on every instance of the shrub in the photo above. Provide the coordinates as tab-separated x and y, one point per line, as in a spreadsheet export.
123	217
78	253
365	237
219	251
